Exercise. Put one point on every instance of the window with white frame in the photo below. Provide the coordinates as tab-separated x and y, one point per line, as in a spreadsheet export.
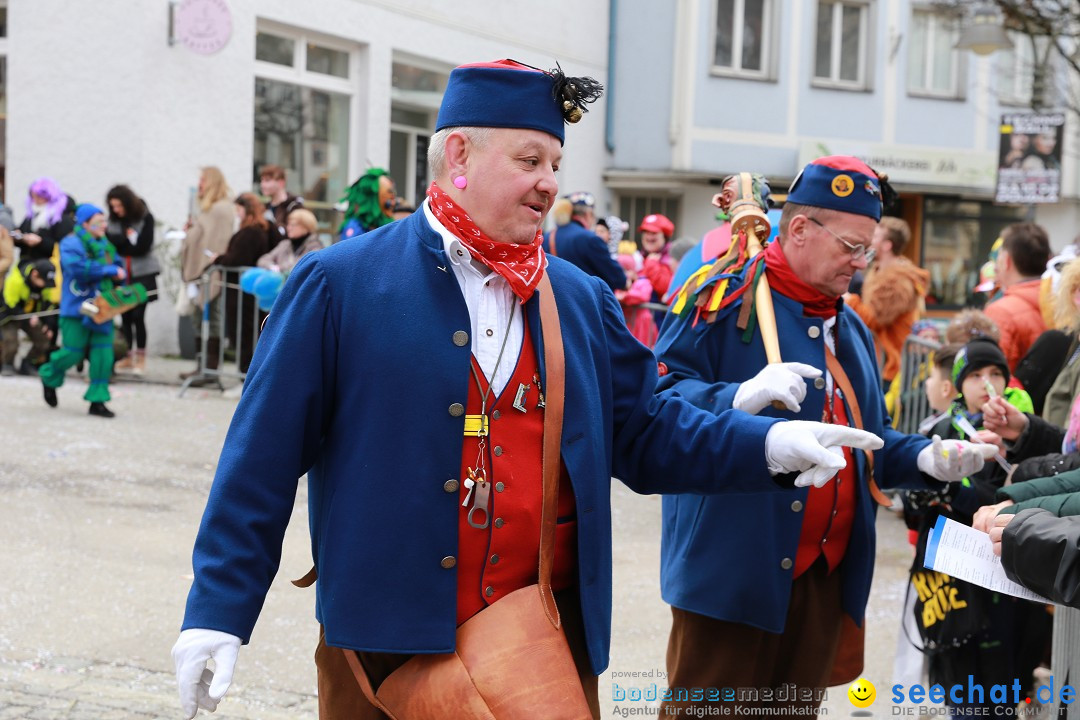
743	39
935	68
304	96
1015	71
416	91
841	49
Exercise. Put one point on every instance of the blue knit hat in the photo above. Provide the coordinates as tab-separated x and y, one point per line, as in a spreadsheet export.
838	182
86	211
508	94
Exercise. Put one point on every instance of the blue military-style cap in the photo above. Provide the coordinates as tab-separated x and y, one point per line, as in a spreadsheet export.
506	93
839	182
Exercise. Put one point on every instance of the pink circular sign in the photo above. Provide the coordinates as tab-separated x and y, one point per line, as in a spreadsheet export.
203	25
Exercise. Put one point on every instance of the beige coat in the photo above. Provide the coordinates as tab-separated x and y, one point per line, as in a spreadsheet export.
284	258
207	238
7	251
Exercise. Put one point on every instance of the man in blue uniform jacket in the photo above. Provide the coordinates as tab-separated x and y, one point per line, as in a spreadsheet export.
763	587
370	367
576	243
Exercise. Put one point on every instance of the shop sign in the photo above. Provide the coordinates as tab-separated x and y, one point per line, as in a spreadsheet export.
203	26
907	165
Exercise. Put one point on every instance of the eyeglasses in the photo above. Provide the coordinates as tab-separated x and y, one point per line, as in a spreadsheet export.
857	251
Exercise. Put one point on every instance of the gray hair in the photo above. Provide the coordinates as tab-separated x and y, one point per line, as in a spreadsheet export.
436	154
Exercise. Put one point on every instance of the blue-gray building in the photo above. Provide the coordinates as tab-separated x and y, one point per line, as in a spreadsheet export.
704	88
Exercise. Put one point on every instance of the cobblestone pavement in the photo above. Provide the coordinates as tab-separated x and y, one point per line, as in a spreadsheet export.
97	520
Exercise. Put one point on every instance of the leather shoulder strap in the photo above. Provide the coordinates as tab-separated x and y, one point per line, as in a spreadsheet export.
840	377
554	384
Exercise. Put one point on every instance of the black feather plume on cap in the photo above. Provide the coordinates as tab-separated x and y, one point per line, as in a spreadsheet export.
574	93
889	195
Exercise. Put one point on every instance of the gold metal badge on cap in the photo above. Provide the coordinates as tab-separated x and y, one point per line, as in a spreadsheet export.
843	185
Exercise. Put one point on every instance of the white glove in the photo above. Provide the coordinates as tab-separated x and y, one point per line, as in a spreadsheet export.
199	686
776	381
954	460
813	449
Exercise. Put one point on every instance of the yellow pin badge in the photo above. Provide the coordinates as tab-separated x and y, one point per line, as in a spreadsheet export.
843	185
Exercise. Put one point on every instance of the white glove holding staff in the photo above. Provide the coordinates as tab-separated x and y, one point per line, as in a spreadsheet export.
954	460
785	382
813	449
199	686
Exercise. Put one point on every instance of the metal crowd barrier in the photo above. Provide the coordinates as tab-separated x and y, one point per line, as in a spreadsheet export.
239	329
914	369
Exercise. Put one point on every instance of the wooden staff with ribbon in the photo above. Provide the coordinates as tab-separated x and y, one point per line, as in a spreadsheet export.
748	218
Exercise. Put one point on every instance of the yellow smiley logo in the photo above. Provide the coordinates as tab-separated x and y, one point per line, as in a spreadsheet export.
861	693
842	185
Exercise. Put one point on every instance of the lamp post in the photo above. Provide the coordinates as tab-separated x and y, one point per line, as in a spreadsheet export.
984	33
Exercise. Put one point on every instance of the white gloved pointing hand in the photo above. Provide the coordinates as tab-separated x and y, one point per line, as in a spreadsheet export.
776	381
954	460
813	449
199	686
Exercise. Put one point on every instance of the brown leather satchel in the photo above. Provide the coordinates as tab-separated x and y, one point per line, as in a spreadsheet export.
511	659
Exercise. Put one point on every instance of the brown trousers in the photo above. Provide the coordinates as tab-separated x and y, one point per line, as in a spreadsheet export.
340	697
704	652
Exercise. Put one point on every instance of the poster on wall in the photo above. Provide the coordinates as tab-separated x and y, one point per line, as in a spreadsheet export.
1029	158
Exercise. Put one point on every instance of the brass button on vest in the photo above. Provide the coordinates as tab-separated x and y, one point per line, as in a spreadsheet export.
498	450
499	487
448	562
498	522
494	559
489	591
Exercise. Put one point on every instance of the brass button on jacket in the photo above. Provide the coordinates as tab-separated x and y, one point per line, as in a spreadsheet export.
448	562
819	383
814	332
450	486
461	338
457	410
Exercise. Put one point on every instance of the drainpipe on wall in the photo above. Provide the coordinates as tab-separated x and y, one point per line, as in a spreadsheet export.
609	112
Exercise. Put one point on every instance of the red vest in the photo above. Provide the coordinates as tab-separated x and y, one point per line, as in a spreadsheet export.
830	509
504	556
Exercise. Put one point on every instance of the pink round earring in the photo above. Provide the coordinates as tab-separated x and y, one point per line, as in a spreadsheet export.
460	182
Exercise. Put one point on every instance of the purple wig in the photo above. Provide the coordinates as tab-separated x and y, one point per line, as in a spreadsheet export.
49	189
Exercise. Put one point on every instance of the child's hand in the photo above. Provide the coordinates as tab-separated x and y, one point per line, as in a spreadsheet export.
989	437
984	516
1004	419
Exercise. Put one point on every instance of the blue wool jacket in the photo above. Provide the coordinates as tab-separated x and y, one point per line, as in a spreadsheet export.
81	274
581	247
724	557
352	383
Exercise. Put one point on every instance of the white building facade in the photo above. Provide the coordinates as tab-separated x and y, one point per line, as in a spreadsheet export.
705	88
146	93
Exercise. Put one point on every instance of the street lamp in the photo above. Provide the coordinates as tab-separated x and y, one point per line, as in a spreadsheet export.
984	33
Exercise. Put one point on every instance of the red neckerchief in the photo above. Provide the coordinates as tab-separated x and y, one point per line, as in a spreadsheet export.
784	280
521	265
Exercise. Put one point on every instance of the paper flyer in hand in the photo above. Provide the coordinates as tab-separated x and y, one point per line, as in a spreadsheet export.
966	553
